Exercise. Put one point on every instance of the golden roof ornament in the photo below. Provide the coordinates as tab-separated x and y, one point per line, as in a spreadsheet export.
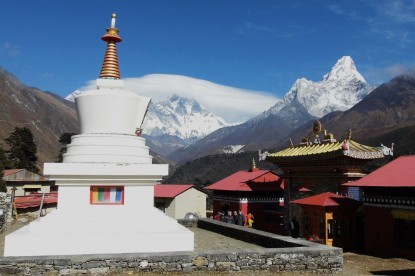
317	127
253	164
349	136
328	137
110	68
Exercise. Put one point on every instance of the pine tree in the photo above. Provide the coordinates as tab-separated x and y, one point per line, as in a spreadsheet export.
22	149
64	140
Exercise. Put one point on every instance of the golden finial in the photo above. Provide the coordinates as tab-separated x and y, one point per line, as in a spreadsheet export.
110	68
349	137
253	164
317	127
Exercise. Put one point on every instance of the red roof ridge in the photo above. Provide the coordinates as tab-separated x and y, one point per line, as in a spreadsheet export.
397	173
239	180
170	190
11	171
325	199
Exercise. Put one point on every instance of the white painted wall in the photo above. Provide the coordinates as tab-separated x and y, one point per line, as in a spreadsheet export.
191	200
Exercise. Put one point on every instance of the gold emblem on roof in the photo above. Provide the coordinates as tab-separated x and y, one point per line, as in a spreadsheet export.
317	127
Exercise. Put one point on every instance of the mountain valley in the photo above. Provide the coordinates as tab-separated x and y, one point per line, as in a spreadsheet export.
179	129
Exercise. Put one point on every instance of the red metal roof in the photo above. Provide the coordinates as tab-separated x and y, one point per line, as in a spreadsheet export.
170	190
398	173
9	172
325	199
239	181
34	200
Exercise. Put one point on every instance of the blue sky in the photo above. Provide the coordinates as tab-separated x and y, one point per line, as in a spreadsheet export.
252	45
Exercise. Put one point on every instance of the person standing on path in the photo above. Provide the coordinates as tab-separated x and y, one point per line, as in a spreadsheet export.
218	216
240	219
249	220
235	217
294	228
229	218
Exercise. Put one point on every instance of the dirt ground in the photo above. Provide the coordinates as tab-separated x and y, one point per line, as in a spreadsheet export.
353	264
356	264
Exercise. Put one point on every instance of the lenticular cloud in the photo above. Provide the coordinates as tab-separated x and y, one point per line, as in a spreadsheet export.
232	104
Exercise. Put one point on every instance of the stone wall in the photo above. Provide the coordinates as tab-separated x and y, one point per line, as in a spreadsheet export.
297	255
290	259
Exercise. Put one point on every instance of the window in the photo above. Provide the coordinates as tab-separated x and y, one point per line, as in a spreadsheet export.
31	189
107	195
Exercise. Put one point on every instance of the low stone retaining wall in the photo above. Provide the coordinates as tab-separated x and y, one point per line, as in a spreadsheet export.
299	255
261	238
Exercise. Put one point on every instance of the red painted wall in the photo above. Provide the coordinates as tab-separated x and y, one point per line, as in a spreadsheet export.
379	233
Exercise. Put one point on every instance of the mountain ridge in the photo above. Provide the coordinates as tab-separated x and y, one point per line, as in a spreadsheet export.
339	90
44	113
182	117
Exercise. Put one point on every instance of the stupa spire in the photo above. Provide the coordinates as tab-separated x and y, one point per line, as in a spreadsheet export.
110	69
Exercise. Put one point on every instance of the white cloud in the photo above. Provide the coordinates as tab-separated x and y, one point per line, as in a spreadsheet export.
10	49
250	27
230	103
399	11
392	20
382	75
400	69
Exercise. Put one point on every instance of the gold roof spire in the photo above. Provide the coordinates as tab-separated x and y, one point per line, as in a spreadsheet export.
110	69
254	168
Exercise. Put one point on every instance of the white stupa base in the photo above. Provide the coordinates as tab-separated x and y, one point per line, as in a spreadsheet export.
57	234
80	226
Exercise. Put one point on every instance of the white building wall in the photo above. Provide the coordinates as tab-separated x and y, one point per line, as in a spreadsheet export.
45	189
171	208
191	200
20	191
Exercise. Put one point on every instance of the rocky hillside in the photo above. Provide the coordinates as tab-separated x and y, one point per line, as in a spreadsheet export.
45	114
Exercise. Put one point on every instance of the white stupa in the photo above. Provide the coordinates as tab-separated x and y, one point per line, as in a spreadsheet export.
106	180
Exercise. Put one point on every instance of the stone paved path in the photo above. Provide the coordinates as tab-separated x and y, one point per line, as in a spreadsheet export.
204	240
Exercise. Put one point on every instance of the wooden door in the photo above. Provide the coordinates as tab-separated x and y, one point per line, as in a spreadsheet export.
329	229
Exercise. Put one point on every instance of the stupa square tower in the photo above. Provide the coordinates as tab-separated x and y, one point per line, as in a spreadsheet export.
106	181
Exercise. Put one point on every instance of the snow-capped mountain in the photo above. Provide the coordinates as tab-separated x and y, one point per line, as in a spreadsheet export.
71	97
339	90
181	117
176	116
